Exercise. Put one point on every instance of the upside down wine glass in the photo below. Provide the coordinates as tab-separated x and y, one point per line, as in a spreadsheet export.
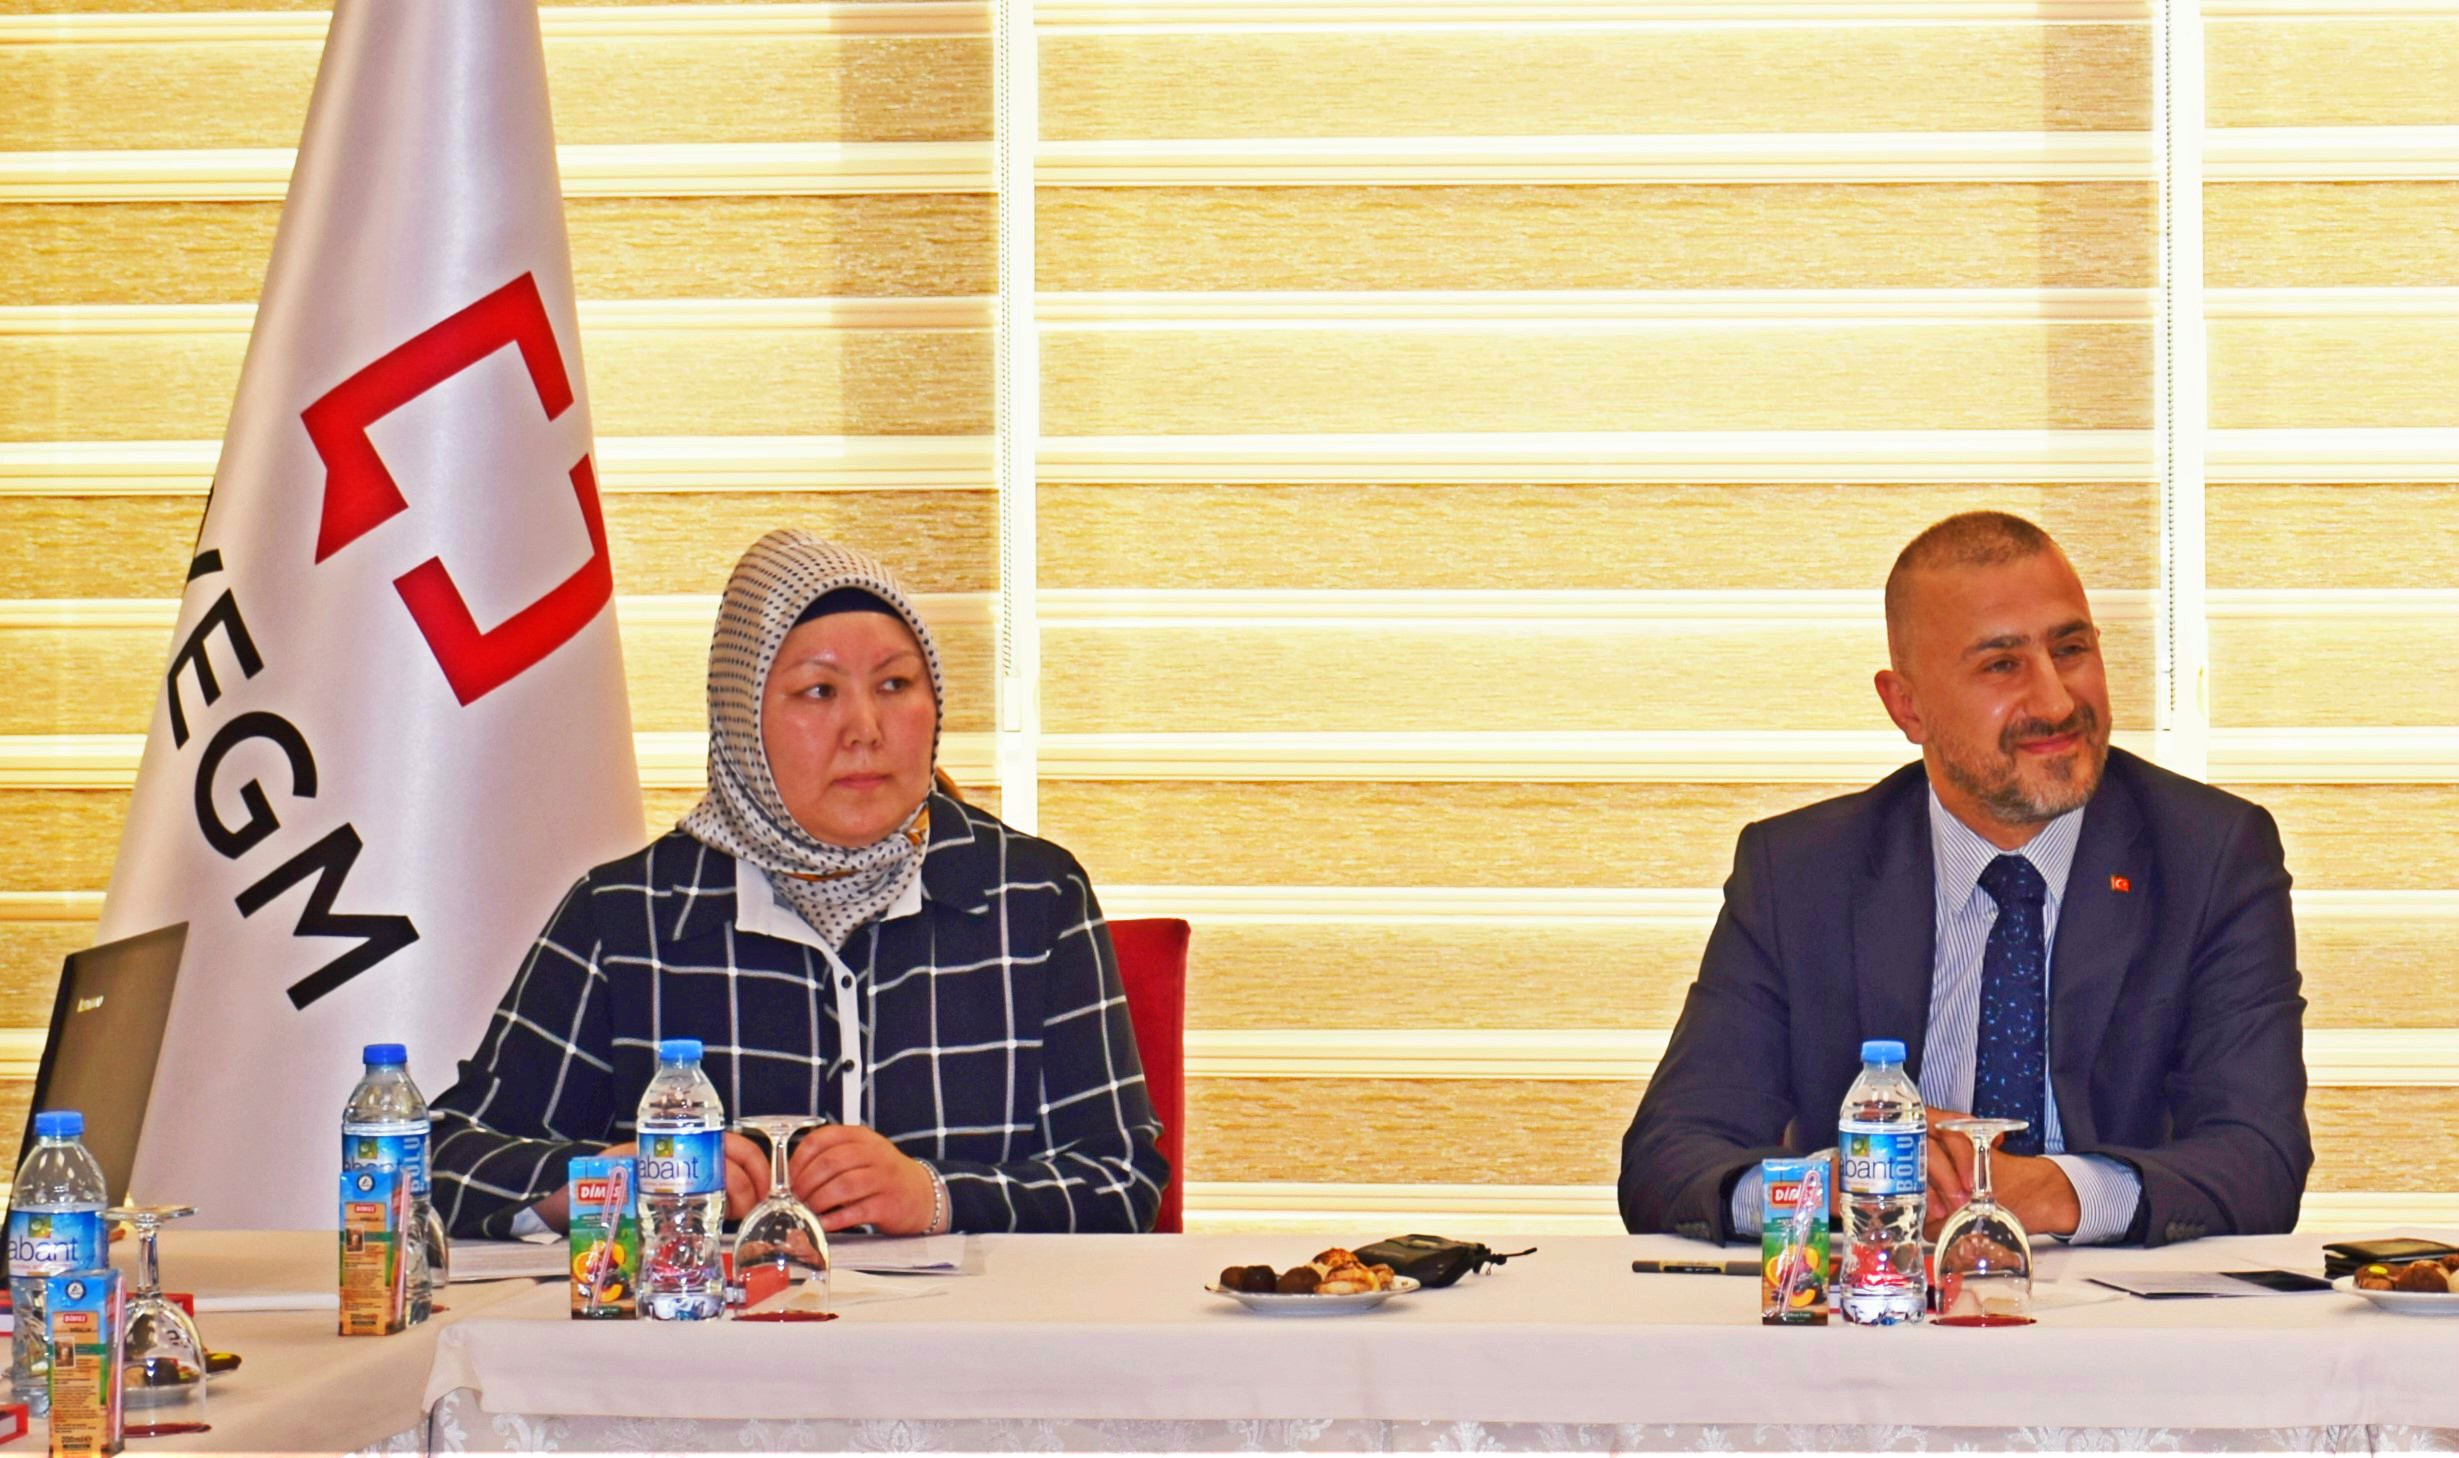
162	1358
1984	1256
780	1233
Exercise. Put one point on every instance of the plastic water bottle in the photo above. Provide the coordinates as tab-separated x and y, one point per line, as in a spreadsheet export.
385	1125
1882	1157
55	1225
682	1187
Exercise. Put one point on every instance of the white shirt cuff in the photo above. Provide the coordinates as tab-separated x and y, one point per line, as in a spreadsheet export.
1747	1216
2107	1191
528	1222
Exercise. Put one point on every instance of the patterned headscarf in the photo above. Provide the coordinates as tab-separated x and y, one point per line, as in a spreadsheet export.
833	888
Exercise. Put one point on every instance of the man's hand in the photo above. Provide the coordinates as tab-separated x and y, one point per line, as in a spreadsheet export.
1950	1171
2039	1193
2032	1186
746	1181
851	1176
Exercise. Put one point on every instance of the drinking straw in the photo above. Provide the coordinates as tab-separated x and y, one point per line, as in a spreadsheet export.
611	1220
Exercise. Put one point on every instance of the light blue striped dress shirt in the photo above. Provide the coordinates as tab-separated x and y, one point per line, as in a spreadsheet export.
2106	1190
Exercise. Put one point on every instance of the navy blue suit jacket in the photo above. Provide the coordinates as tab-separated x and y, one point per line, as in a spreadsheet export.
2174	1018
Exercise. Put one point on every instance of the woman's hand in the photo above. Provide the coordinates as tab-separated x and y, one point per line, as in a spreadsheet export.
746	1181
851	1176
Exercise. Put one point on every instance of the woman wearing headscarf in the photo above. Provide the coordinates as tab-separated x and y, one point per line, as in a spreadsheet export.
846	941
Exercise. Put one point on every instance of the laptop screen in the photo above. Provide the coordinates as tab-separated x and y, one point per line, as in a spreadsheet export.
106	1030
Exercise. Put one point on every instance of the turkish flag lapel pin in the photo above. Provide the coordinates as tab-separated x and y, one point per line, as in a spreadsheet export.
2121	885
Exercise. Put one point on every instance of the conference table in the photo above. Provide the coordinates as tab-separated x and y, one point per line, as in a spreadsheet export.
1063	1343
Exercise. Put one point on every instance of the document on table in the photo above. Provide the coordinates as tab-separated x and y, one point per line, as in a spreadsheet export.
271	1301
237	1301
916	1255
930	1255
509	1260
847	1287
2171	1285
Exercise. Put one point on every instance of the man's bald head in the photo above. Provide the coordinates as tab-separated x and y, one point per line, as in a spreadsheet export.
1967	539
1996	673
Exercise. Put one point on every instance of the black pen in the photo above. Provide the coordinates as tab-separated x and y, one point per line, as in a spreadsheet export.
1695	1268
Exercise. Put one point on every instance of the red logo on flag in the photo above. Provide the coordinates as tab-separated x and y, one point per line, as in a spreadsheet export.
361	495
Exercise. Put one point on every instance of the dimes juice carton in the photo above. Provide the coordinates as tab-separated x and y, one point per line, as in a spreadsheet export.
1793	1242
605	1225
87	1312
375	1216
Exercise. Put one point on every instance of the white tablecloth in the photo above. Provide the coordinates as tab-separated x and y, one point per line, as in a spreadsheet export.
460	1427
300	1388
1109	1343
1090	1329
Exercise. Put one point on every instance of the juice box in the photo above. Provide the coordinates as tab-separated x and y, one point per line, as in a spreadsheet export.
375	1284
1793	1242
605	1237
86	1311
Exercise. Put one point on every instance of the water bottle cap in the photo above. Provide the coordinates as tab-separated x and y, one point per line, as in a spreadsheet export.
59	1124
679	1050
1883	1050
386	1055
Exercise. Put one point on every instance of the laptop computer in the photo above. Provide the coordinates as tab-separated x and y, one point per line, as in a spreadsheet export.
106	1031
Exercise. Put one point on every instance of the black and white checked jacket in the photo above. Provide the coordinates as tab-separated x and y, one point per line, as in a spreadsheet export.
1000	1046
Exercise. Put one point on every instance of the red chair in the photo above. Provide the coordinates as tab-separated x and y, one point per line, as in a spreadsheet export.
1152	957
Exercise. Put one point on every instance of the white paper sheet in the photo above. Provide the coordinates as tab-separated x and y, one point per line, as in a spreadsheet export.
2158	1284
272	1301
917	1255
936	1255
853	1288
506	1260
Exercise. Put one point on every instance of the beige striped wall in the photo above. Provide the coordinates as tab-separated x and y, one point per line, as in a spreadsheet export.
1438	433
783	239
1391	628
2361	562
2333	294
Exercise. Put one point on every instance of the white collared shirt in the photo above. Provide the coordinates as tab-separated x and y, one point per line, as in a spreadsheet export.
759	910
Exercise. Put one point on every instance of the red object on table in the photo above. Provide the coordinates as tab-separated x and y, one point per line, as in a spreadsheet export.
762	1282
12	1422
1152	958
753	1286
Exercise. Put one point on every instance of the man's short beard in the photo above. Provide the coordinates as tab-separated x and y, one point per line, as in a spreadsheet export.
2006	797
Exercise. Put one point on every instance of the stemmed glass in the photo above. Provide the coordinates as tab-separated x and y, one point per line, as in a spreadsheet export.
1984	1256
163	1359
780	1233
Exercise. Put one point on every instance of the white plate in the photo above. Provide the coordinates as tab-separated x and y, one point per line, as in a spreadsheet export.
2406	1303
1276	1304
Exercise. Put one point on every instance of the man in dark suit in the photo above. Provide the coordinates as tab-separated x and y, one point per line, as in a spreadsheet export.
2057	931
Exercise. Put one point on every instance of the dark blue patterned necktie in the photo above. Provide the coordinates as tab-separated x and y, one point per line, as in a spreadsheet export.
2010	1070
